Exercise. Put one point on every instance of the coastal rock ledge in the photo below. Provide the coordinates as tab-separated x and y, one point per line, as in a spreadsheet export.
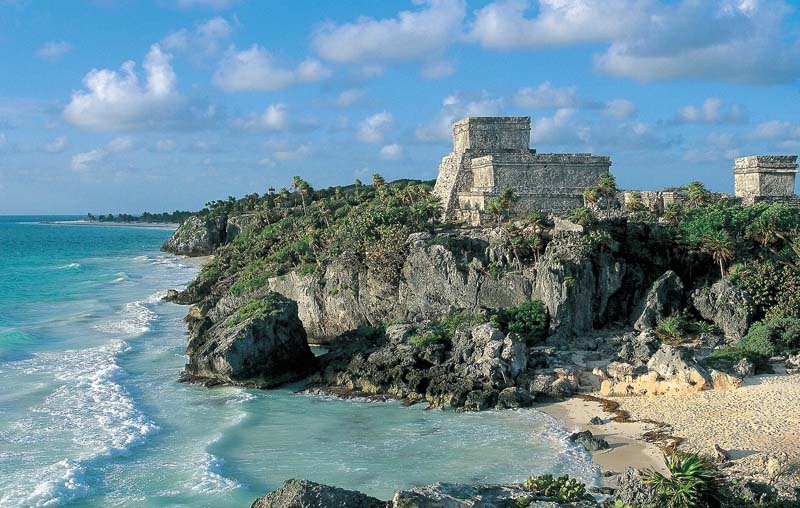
306	494
261	344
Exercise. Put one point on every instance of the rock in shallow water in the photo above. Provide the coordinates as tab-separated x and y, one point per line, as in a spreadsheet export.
261	343
589	441
306	494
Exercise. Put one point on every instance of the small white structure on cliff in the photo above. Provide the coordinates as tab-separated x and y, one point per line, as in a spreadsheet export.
765	178
491	154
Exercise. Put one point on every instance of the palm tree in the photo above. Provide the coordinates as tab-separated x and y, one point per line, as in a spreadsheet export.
303	188
607	187
379	183
358	186
591	195
508	199
698	194
495	206
719	245
634	202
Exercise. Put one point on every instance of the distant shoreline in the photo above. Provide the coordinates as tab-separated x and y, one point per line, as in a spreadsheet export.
146	225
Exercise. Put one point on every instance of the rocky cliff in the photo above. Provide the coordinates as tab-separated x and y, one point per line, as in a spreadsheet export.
583	286
201	236
260	342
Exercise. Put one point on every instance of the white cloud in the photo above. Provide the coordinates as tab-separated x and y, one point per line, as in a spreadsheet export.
648	40
204	41
729	40
118	101
54	49
409	35
619	108
711	111
454	108
166	145
717	147
775	130
301	152
58	145
86	161
349	97
438	70
120	144
546	96
503	24
373	128
255	69
391	152
274	118
558	129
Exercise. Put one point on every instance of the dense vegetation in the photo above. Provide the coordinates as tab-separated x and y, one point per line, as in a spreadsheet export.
302	229
176	217
529	321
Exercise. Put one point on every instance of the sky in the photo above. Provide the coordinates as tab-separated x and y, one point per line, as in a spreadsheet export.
126	106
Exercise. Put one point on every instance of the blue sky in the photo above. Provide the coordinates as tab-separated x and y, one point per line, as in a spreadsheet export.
126	106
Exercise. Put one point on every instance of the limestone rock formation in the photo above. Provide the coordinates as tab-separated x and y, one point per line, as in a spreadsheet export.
633	490
448	495
307	494
197	237
259	342
664	297
725	305
481	368
671	370
589	441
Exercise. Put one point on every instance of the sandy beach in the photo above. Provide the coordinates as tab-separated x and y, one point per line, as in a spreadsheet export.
752	423
628	447
756	424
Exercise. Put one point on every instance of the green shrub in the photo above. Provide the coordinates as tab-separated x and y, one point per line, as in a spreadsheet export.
443	331
672	329
692	482
771	337
584	217
760	339
429	338
259	307
725	358
563	489
529	320
701	327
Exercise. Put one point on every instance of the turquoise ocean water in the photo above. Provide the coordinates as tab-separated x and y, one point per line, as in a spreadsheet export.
91	414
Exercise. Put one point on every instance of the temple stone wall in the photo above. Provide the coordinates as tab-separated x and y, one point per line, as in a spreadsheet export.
761	177
491	154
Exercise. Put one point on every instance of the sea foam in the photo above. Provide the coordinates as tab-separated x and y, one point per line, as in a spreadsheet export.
92	406
134	317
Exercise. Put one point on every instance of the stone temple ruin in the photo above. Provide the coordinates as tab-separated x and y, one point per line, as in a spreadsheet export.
491	154
769	178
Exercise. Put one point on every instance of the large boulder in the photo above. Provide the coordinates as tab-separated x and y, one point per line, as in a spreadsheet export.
727	306
663	298
633	489
472	371
637	350
671	370
306	494
197	237
257	342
